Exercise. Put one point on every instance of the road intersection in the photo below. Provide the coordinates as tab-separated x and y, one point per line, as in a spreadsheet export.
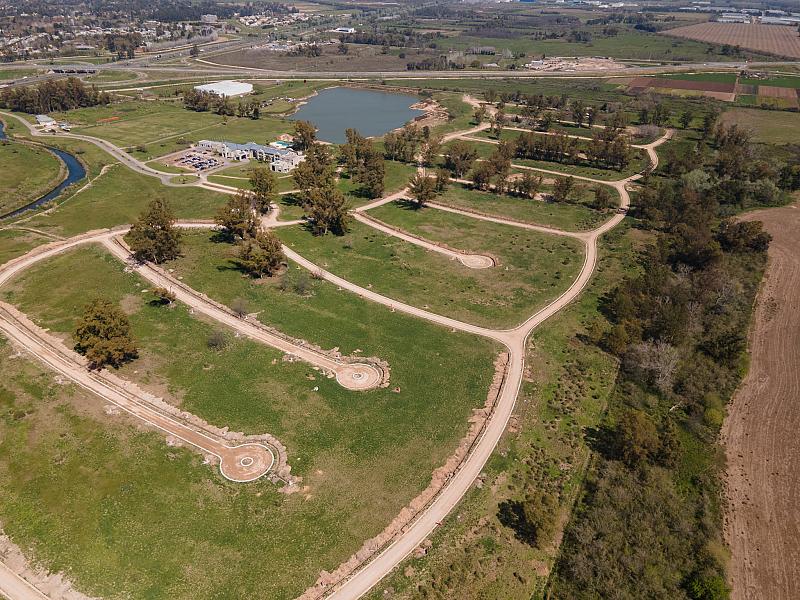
358	581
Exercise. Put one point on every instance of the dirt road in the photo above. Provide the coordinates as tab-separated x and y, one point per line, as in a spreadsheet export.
762	431
356	584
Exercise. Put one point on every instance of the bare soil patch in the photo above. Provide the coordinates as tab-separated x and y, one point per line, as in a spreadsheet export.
683	84
762	523
358	58
770	39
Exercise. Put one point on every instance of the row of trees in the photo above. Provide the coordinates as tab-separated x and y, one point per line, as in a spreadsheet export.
52	96
200	101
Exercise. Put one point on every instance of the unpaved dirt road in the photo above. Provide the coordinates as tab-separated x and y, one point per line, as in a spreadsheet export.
762	431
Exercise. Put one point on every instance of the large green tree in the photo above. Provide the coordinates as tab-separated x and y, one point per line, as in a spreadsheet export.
154	236
327	211
104	335
423	188
236	217
261	255
262	180
305	135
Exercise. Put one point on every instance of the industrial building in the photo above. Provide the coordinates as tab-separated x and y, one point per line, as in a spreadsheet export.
226	89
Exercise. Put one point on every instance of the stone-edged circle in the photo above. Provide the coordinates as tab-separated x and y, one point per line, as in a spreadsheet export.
358	376
247	462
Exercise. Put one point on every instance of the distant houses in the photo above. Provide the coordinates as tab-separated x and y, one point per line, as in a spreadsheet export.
280	159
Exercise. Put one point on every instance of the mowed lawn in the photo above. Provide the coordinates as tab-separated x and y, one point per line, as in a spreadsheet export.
767	126
26	173
566	216
536	268
125	515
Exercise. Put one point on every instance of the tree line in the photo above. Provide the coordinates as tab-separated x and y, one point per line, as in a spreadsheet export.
53	96
649	523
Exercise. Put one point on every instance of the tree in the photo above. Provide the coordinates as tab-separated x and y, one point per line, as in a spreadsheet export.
305	134
236	216
154	236
422	188
261	255
479	114
482	176
743	236
497	120
195	51
578	112
327	211
316	171
372	173
637	438
442	180
528	185
686	118
262	180
603	200
709	123
104	335
459	158
430	150
164	297
562	188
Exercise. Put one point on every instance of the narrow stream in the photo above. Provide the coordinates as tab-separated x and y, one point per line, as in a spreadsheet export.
75	172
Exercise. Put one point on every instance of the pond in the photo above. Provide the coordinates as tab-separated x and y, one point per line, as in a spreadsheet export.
75	172
371	112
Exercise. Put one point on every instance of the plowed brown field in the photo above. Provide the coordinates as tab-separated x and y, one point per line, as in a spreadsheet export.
779	40
762	431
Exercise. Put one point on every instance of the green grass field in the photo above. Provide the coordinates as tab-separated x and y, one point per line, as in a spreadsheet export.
94	506
710	77
15	242
26	173
406	272
473	554
767	126
570	217
629	44
117	196
163	127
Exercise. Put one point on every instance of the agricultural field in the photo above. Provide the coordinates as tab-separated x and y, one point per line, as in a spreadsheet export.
767	127
777	40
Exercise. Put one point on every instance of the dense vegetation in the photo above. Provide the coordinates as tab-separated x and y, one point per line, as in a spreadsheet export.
52	96
649	522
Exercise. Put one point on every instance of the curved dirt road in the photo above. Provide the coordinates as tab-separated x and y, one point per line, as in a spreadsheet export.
514	339
760	434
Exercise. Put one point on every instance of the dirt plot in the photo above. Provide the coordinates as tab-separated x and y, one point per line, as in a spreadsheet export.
779	40
358	58
762	524
746	89
771	91
683	84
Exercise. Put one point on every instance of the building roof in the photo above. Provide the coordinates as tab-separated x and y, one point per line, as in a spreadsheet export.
43	119
226	88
